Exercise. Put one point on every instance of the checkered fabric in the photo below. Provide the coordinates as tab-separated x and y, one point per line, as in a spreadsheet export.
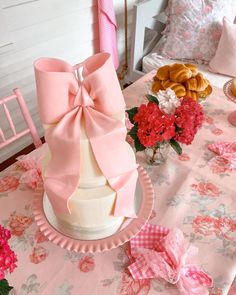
226	153
158	252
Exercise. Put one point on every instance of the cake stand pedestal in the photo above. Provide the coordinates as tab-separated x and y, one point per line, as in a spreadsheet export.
144	200
230	96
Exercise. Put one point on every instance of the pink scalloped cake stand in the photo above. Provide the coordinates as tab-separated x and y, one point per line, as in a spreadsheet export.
144	200
230	96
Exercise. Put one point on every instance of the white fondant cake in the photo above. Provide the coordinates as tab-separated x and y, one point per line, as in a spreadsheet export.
93	202
89	200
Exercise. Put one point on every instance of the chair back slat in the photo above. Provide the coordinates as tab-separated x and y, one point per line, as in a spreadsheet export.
31	129
2	135
9	119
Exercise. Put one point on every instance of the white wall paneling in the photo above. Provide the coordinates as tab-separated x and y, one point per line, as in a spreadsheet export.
30	29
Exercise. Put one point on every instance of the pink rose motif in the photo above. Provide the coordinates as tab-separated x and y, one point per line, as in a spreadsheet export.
86	264
8	183
209	120
206	188
19	223
228	228
216	291
128	286
184	157
40	237
206	225
187	35
219	165
39	254
178	10
217	131
207	9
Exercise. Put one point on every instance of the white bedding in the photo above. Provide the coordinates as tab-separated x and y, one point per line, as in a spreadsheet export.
154	61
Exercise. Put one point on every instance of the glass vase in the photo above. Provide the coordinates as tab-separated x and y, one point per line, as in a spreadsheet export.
157	155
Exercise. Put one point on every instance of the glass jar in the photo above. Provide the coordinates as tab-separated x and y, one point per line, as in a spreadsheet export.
157	155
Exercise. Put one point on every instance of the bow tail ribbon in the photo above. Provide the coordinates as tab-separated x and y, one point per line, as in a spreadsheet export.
107	138
63	169
111	151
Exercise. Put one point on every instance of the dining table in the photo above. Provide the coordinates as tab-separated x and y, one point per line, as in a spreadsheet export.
193	192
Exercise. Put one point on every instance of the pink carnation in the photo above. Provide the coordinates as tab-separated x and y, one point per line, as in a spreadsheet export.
7	256
189	117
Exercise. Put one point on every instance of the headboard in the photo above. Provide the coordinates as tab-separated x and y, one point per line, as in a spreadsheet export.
145	16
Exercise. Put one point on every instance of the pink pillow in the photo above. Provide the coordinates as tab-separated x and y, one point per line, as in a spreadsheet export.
194	28
224	61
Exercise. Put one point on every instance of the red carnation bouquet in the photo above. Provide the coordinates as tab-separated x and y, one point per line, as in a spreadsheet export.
165	119
8	260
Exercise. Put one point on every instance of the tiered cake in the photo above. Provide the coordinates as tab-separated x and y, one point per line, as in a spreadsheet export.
90	170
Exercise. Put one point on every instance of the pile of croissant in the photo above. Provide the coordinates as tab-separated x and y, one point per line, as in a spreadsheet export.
183	79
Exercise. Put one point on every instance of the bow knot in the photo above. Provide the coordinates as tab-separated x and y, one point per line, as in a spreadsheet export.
82	97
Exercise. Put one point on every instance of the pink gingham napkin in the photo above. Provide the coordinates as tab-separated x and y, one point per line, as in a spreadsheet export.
226	153
158	252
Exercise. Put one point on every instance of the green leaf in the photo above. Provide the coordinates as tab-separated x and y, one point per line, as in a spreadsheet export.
177	128
138	146
152	98
131	113
4	287
175	145
133	132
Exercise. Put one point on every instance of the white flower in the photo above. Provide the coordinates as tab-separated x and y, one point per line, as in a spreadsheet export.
168	101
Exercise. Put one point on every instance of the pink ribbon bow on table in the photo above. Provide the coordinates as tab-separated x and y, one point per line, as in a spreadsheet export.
159	252
107	29
63	101
226	153
32	172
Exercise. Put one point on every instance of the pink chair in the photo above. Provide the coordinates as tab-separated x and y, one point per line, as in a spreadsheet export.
25	112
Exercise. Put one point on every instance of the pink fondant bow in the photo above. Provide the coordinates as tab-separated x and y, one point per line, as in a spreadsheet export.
67	102
158	252
226	153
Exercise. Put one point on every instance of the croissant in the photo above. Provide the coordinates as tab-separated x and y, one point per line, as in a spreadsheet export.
180	73
156	85
192	94
205	92
178	88
163	73
233	87
197	83
193	69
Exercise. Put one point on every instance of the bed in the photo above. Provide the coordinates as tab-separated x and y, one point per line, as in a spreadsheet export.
148	23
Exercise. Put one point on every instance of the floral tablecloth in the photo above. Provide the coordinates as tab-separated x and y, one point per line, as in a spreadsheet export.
192	193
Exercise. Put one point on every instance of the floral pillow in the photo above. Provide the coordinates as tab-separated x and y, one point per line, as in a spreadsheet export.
194	28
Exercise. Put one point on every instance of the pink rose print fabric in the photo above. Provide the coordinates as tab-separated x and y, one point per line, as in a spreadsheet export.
8	183
193	193
194	29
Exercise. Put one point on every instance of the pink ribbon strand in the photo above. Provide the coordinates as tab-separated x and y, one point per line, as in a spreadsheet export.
64	101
